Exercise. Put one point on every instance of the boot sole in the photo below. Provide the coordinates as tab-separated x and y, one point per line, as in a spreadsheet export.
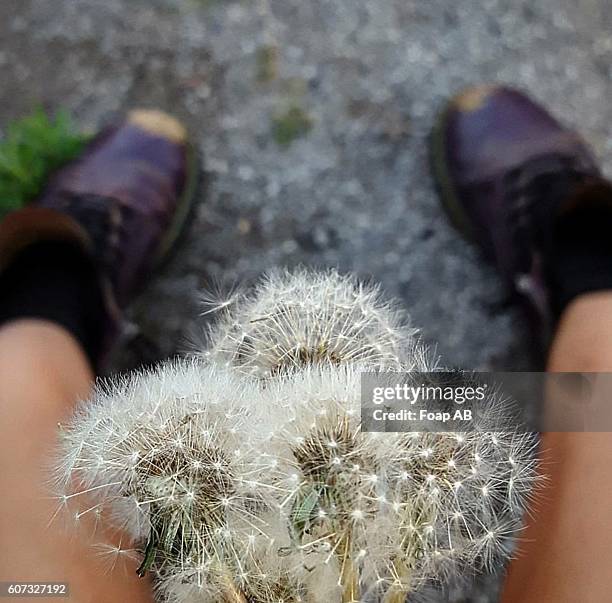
184	209
442	178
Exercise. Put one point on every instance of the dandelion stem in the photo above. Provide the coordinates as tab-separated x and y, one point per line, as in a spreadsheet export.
349	577
232	594
149	556
397	592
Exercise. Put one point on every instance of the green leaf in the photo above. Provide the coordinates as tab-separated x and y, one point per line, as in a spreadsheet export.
303	512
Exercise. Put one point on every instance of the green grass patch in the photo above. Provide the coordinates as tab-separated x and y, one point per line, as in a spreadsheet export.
32	148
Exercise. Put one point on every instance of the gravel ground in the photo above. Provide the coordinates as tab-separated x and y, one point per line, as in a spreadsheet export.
313	120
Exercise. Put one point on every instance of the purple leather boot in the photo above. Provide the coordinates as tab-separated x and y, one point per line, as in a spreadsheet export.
506	170
122	203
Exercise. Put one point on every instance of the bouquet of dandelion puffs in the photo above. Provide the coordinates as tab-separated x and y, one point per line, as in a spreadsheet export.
241	474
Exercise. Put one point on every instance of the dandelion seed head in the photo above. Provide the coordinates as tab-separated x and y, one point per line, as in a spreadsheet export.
338	492
157	449
297	319
460	505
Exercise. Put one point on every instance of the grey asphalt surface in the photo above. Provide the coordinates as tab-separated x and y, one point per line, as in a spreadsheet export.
355	190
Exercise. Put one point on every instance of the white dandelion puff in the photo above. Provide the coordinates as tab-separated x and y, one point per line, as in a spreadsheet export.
386	513
328	475
456	500
172	454
292	320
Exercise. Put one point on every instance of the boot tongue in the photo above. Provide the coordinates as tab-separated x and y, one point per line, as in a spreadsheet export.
539	193
33	224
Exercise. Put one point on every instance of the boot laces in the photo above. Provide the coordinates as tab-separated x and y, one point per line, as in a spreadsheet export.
533	192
